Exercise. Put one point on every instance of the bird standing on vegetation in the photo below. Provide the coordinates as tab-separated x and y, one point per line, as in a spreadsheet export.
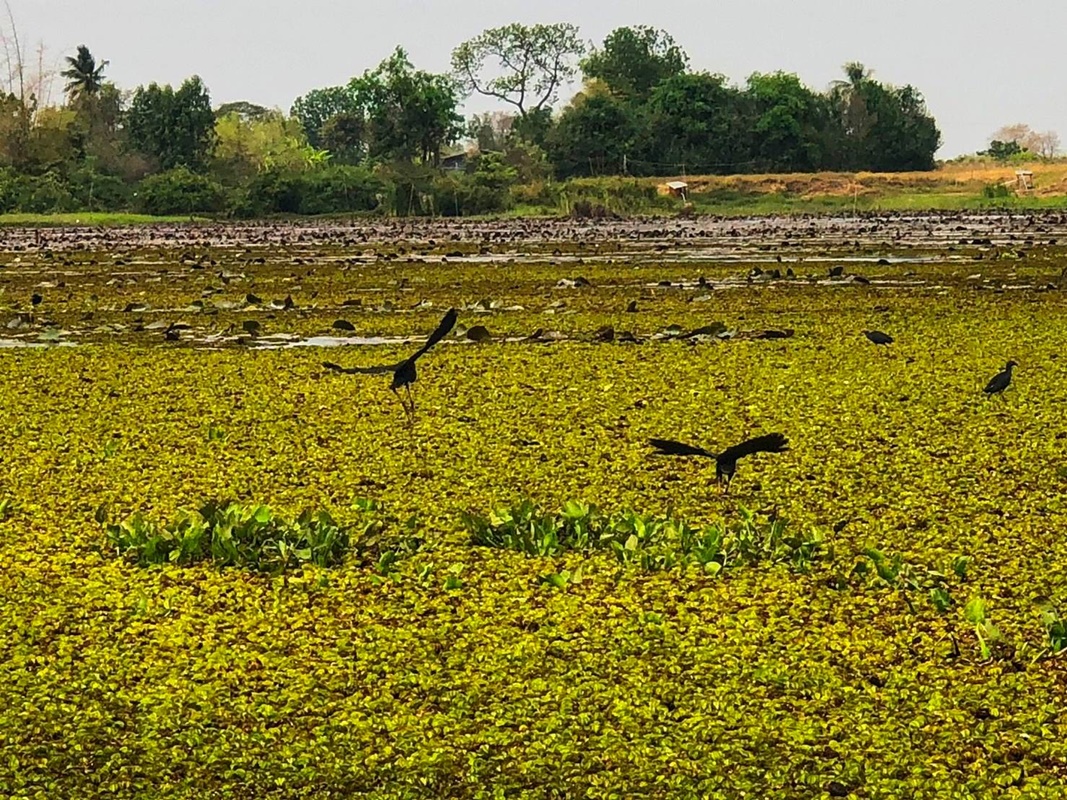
1001	381
726	461
877	337
404	373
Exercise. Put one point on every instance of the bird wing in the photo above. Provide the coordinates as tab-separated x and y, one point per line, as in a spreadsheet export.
997	383
379	369
667	447
448	322
768	443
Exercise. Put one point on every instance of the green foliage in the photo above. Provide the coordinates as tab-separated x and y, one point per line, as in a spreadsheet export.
484	190
1003	151
896	573
176	128
697	123
180	191
85	77
456	668
634	60
247	146
879	127
252	537
314	109
990	639
592	137
996	191
35	194
650	543
410	114
334	189
1055	628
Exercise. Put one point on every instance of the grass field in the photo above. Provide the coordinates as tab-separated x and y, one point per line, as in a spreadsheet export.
94	218
806	667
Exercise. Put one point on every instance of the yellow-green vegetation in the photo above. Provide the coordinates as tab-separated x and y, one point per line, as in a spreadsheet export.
89	218
874	613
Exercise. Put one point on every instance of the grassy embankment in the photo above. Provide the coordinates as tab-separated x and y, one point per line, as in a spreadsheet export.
952	187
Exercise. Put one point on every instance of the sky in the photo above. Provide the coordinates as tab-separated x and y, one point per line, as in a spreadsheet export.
981	64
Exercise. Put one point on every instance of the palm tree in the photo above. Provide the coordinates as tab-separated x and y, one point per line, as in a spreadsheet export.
84	76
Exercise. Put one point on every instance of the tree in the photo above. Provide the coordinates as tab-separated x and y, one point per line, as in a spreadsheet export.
344	136
491	131
176	128
593	136
881	127
634	60
789	123
410	114
532	62
1044	145
245	146
85	77
698	123
245	110
1002	151
315	108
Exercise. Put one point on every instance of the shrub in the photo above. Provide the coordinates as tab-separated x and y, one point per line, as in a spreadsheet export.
180	191
340	189
254	537
98	191
651	543
336	189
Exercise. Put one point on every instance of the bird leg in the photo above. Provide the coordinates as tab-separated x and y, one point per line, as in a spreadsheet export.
411	398
403	405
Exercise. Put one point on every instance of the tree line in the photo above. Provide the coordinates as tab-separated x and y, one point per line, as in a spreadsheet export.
379	142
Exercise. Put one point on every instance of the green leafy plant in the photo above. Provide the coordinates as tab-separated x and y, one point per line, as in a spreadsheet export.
989	637
648	543
254	537
1055	628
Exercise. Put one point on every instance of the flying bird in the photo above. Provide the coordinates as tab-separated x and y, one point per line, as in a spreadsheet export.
877	337
726	461
999	382
404	373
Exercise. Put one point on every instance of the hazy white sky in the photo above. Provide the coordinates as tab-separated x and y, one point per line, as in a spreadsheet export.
980	63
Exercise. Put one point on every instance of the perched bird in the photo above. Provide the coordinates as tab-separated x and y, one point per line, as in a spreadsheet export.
999	382
403	372
878	337
726	461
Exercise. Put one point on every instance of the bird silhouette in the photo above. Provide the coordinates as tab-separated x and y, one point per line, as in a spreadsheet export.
726	461
404	373
1001	381
877	337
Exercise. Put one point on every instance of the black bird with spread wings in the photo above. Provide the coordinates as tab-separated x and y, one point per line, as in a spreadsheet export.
726	461
404	373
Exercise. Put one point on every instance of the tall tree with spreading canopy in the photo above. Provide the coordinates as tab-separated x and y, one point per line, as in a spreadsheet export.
314	109
84	74
410	114
176	128
528	65
634	60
